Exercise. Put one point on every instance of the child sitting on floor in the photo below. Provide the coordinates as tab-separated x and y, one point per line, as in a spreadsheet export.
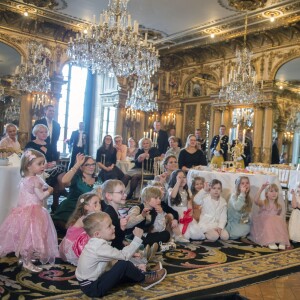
294	222
213	216
102	267
76	238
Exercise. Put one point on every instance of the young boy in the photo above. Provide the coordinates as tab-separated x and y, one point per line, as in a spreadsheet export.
113	192
150	217
101	266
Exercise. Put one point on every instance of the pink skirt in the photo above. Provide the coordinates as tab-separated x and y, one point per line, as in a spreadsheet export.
28	231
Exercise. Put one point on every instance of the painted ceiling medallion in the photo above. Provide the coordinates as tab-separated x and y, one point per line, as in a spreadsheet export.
242	5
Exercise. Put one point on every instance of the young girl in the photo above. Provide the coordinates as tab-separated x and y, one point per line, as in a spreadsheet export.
28	230
213	216
268	226
101	267
294	222
76	238
179	194
239	208
196	186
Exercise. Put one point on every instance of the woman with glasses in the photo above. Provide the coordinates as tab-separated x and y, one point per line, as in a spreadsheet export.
170	164
106	159
81	178
190	155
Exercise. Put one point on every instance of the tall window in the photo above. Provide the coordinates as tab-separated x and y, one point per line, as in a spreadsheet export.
109	115
71	104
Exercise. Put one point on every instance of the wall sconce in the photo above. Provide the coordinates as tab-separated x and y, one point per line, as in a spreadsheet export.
288	137
133	115
169	120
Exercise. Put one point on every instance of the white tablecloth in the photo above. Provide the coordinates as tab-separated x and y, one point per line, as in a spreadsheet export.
228	181
124	165
9	186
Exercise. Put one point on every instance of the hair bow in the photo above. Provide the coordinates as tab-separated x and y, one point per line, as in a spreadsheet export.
186	219
29	155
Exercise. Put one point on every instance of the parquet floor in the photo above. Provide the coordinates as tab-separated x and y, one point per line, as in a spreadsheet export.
283	288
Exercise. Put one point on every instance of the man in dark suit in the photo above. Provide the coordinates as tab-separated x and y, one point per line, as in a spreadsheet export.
162	138
201	143
78	143
54	129
219	147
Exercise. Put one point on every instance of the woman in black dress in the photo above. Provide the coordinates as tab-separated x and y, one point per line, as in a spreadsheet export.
106	159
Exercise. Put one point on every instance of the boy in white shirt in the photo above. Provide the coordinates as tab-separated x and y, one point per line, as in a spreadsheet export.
101	267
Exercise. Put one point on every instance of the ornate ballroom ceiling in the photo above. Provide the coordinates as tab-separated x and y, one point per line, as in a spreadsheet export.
181	30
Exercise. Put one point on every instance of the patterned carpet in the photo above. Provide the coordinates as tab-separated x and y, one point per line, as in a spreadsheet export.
198	267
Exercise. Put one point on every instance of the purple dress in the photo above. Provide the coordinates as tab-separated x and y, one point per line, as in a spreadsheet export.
269	227
28	230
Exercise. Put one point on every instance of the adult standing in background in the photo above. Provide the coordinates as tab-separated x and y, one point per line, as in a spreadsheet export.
275	152
172	132
10	140
219	147
201	143
53	127
78	143
162	138
190	155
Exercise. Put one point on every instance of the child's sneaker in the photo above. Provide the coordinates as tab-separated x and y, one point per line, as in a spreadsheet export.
281	247
181	239
153	278
156	267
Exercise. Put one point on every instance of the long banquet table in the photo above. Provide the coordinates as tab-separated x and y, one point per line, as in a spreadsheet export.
228	181
9	187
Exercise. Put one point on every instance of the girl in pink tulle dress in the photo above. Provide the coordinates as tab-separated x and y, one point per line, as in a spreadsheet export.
268	226
76	238
28	230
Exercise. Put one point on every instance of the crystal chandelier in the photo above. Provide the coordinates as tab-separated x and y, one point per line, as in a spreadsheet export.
242	87
33	76
12	112
142	95
114	45
243	116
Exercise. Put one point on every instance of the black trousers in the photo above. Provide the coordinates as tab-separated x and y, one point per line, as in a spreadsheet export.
156	237
123	271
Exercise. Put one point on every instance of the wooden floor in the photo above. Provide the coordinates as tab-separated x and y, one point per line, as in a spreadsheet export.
283	288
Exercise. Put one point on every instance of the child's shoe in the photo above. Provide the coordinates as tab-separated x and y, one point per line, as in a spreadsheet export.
147	252
273	247
181	239
32	268
153	251
153	278
281	247
156	267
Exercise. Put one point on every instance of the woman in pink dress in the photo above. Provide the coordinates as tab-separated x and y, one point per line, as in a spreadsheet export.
28	230
76	238
268	227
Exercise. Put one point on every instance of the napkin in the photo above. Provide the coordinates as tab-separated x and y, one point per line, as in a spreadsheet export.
14	160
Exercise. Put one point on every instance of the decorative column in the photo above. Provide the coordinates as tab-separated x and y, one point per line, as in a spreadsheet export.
226	118
217	119
179	123
257	136
25	122
296	146
267	135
